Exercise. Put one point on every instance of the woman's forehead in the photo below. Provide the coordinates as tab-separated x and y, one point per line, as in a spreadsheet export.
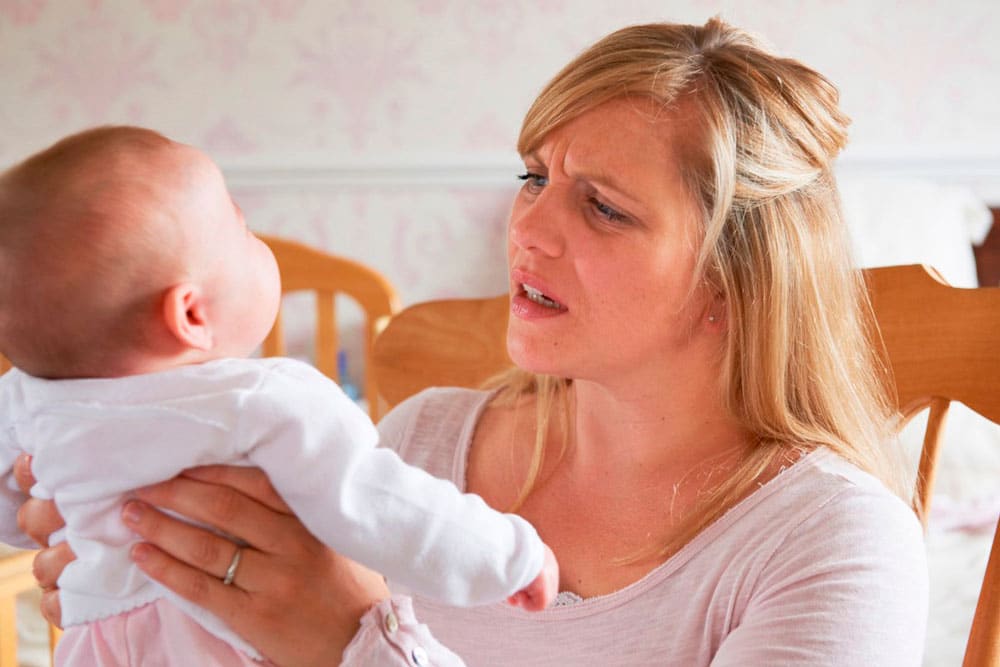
630	136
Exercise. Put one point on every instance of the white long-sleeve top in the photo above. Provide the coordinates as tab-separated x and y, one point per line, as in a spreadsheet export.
822	565
95	440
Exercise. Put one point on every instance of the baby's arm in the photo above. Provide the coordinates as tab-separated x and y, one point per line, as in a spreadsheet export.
319	451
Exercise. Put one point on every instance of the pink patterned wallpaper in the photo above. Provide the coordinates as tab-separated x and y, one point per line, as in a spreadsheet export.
308	104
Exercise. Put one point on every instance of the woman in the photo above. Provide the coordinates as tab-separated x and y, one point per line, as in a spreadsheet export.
696	423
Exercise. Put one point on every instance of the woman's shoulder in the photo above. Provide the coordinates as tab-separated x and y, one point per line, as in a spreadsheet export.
833	483
823	487
828	512
432	429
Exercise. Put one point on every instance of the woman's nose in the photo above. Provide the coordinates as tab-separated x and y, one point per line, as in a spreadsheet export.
537	226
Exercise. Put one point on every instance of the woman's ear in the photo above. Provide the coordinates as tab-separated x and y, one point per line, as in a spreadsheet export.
185	316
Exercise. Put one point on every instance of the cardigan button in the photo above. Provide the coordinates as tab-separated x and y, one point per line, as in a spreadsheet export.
419	656
391	623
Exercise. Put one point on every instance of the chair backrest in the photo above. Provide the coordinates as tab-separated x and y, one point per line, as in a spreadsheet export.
304	268
450	343
942	343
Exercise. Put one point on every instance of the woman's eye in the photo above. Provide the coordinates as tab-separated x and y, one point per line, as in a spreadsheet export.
607	212
533	182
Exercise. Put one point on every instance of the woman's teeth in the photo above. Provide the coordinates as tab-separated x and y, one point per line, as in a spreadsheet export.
538	297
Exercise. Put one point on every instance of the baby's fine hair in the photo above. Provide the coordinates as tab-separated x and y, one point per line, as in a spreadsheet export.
77	252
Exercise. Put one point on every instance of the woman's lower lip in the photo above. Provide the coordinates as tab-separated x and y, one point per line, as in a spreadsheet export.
526	309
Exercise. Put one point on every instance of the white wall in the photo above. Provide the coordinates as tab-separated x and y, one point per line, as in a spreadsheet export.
383	130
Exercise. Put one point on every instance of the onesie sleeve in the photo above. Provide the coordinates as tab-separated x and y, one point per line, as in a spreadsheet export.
319	450
848	587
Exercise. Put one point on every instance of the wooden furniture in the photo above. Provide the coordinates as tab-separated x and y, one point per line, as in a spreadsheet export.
457	343
942	343
304	268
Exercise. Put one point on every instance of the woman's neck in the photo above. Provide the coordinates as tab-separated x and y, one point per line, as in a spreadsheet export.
672	426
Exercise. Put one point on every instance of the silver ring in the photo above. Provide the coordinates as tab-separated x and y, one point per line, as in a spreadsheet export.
231	570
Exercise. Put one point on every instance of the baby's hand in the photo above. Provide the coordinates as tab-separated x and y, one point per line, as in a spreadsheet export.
539	594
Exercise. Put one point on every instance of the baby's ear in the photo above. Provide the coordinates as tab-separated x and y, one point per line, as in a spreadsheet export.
185	316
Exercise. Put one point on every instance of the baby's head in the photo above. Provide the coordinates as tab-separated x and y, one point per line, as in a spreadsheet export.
122	252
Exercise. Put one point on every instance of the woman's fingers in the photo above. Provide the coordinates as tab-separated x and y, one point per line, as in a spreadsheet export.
51	608
46	568
250	482
296	598
191	583
306	611
225	509
49	564
193	546
38	519
22	473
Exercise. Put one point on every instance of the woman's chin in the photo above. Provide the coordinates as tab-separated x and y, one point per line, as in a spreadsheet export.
536	357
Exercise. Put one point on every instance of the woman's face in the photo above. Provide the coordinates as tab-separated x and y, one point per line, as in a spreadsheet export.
601	248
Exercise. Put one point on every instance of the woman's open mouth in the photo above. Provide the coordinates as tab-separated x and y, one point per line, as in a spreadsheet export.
538	297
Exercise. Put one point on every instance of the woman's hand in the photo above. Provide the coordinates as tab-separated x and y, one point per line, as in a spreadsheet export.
293	598
38	519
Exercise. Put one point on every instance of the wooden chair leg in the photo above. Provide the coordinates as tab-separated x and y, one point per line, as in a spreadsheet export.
983	649
54	634
8	632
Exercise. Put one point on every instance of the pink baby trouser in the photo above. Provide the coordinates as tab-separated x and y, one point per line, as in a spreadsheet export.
154	635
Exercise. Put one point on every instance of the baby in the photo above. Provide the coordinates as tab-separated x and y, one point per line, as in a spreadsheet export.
131	293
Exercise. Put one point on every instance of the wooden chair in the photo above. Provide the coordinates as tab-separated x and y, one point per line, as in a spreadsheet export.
457	343
942	343
304	268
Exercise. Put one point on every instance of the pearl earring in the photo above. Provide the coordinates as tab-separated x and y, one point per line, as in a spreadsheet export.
711	318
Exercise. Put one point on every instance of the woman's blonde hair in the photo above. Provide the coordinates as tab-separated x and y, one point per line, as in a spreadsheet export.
799	369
